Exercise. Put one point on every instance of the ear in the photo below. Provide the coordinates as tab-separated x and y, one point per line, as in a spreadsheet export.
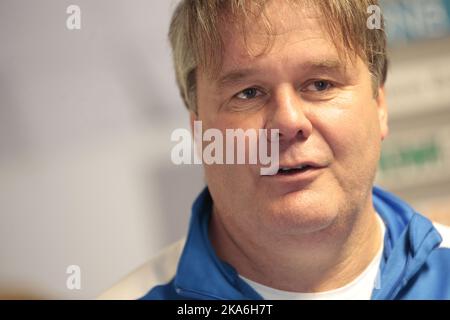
382	112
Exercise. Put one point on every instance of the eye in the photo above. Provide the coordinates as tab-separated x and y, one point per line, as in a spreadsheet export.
249	93
319	85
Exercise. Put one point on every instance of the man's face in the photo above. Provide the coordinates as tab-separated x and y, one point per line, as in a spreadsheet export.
327	118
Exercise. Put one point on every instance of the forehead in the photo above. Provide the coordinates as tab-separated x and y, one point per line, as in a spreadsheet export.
284	32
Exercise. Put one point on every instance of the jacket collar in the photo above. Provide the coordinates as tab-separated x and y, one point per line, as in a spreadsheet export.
408	241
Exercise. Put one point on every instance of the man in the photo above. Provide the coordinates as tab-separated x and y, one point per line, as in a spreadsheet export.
317	228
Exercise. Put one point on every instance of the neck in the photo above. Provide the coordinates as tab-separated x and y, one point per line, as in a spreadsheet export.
320	261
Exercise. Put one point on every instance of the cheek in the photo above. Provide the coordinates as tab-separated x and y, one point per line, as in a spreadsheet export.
222	122
229	178
353	136
233	120
350	125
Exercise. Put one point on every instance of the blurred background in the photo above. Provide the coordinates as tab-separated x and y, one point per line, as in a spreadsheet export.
85	122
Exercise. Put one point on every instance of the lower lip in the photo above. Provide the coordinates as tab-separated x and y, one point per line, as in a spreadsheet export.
296	179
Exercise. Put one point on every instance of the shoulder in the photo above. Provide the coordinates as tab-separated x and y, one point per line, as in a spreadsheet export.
158	270
444	231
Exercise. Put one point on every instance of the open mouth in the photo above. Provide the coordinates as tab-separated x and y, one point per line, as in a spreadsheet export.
290	171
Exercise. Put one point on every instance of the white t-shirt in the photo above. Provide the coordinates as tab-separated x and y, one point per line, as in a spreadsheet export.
359	289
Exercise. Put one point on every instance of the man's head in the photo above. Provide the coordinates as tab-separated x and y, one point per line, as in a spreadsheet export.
311	69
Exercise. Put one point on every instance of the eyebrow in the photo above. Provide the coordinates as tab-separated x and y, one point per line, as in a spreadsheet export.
236	76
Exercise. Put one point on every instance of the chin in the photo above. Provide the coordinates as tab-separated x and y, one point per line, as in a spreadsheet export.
298	213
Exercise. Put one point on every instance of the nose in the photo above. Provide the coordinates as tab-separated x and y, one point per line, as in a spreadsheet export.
288	114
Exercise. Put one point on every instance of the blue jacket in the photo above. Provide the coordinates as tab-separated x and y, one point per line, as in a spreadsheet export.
413	266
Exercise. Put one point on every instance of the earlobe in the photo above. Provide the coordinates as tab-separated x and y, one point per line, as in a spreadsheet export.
382	113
